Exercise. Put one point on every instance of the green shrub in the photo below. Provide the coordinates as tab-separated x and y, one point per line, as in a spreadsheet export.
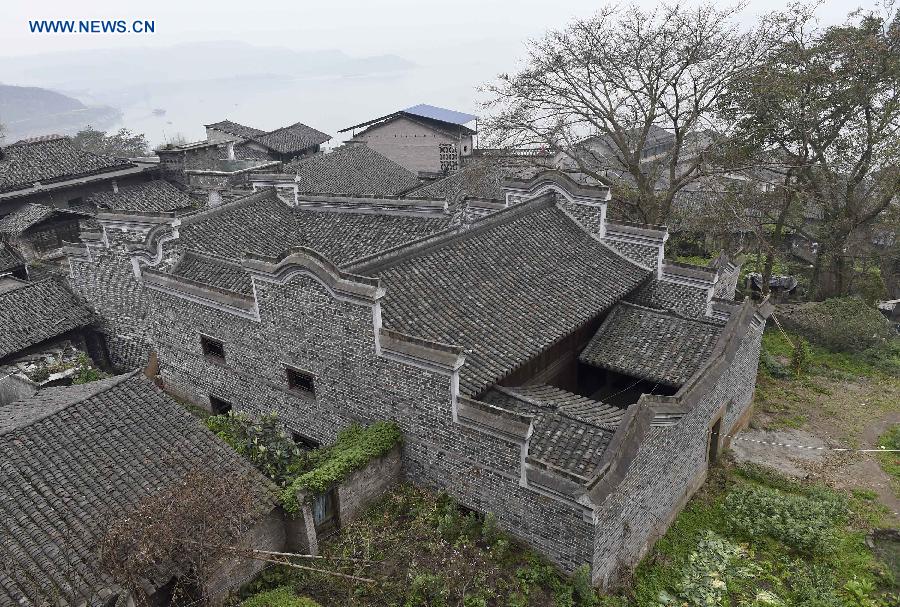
800	357
427	589
709	569
355	447
583	587
282	596
262	441
846	324
804	523
890	461
770	364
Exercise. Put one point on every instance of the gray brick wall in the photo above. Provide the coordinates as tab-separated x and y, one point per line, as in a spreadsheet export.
303	325
363	487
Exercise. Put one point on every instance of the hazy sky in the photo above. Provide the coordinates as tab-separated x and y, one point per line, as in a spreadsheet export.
359	27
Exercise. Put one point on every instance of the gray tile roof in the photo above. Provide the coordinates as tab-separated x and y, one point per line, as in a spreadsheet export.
31	215
354	170
37	312
571	432
46	160
541	398
656	345
343	237
291	139
151	196
213	271
483	179
74	459
10	259
236	129
505	289
568	444
261	223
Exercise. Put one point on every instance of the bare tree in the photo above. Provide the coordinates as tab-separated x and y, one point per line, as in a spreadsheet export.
629	96
184	530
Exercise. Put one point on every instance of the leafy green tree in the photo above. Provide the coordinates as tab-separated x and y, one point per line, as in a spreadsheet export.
123	143
823	112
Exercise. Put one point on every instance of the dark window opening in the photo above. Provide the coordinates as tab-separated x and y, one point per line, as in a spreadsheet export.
212	348
304	442
300	381
714	432
218	405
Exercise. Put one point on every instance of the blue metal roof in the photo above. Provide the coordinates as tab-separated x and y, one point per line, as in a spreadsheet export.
439	113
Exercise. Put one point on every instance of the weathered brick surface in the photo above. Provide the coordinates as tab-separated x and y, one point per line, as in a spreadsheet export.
727	284
232	572
363	487
304	326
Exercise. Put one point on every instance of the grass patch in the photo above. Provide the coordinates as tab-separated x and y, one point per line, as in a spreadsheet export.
752	537
279	597
835	392
890	462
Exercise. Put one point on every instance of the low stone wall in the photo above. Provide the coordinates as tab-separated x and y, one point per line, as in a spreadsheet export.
355	494
271	533
363	487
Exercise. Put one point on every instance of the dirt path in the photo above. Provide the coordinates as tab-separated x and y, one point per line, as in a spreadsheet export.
809	455
863	470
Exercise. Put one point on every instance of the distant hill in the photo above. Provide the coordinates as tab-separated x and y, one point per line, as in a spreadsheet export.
26	111
99	70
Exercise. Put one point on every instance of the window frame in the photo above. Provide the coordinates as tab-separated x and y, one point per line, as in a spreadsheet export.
291	372
205	341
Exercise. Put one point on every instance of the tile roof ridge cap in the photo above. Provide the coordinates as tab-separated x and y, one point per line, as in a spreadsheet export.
383	260
671	312
237	203
102	386
257	138
38	139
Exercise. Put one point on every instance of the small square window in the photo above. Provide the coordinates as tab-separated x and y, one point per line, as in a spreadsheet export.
300	381
218	405
212	348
